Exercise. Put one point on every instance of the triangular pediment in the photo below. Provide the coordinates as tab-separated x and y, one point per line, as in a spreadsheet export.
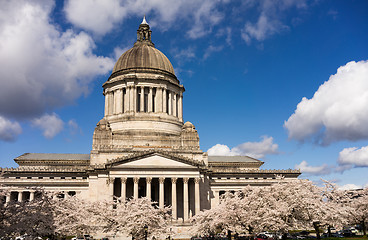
153	160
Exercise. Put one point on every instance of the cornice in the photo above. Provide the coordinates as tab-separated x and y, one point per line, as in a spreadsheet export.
144	154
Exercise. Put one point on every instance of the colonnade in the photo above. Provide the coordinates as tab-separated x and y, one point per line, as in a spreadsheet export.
20	196
133	98
179	201
29	195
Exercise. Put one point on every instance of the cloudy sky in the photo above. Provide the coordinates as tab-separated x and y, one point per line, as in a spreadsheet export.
283	81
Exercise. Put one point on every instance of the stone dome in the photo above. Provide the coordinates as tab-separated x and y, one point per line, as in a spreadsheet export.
143	56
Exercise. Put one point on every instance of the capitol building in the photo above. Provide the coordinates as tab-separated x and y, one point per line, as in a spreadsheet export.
141	147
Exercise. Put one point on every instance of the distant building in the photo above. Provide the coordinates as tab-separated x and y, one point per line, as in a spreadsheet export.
141	147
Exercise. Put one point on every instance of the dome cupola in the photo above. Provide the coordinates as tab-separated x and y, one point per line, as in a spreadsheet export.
143	56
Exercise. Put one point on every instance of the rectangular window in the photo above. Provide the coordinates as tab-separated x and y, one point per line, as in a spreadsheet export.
153	99
167	101
138	99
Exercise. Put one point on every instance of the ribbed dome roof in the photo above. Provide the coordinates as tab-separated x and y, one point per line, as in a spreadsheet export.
143	56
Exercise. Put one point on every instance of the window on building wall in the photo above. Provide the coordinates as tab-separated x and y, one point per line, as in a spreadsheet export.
153	99
146	99
40	177
71	193
123	100
138	99
29	177
167	101
176	105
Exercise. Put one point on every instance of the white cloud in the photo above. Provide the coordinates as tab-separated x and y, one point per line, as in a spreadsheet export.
73	127
251	149
349	186
337	111
212	49
183	54
42	67
9	130
95	15
100	17
50	124
270	19
353	157
313	170
220	150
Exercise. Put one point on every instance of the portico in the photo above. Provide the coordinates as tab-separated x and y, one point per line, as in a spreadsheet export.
165	191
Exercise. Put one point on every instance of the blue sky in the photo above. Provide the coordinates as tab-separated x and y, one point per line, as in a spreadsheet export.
284	81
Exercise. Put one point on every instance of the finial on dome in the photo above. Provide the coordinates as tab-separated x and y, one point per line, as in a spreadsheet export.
144	33
144	20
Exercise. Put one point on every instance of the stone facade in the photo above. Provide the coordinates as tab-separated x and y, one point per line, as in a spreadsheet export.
142	147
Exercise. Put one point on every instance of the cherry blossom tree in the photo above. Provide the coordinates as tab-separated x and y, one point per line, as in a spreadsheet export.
280	207
357	201
33	218
73	215
130	217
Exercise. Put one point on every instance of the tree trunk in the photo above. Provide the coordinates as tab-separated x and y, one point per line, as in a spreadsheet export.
316	227
329	231
364	228
228	234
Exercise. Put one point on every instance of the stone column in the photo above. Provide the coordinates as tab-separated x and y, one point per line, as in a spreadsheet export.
20	196
186	199
148	187
173	199
123	188
126	100
142	99
164	105
8	195
180	105
111	188
162	190
136	181
174	105
131	99
170	103
111	103
197	196
31	195
134	98
159	99
106	103
119	101
150	99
